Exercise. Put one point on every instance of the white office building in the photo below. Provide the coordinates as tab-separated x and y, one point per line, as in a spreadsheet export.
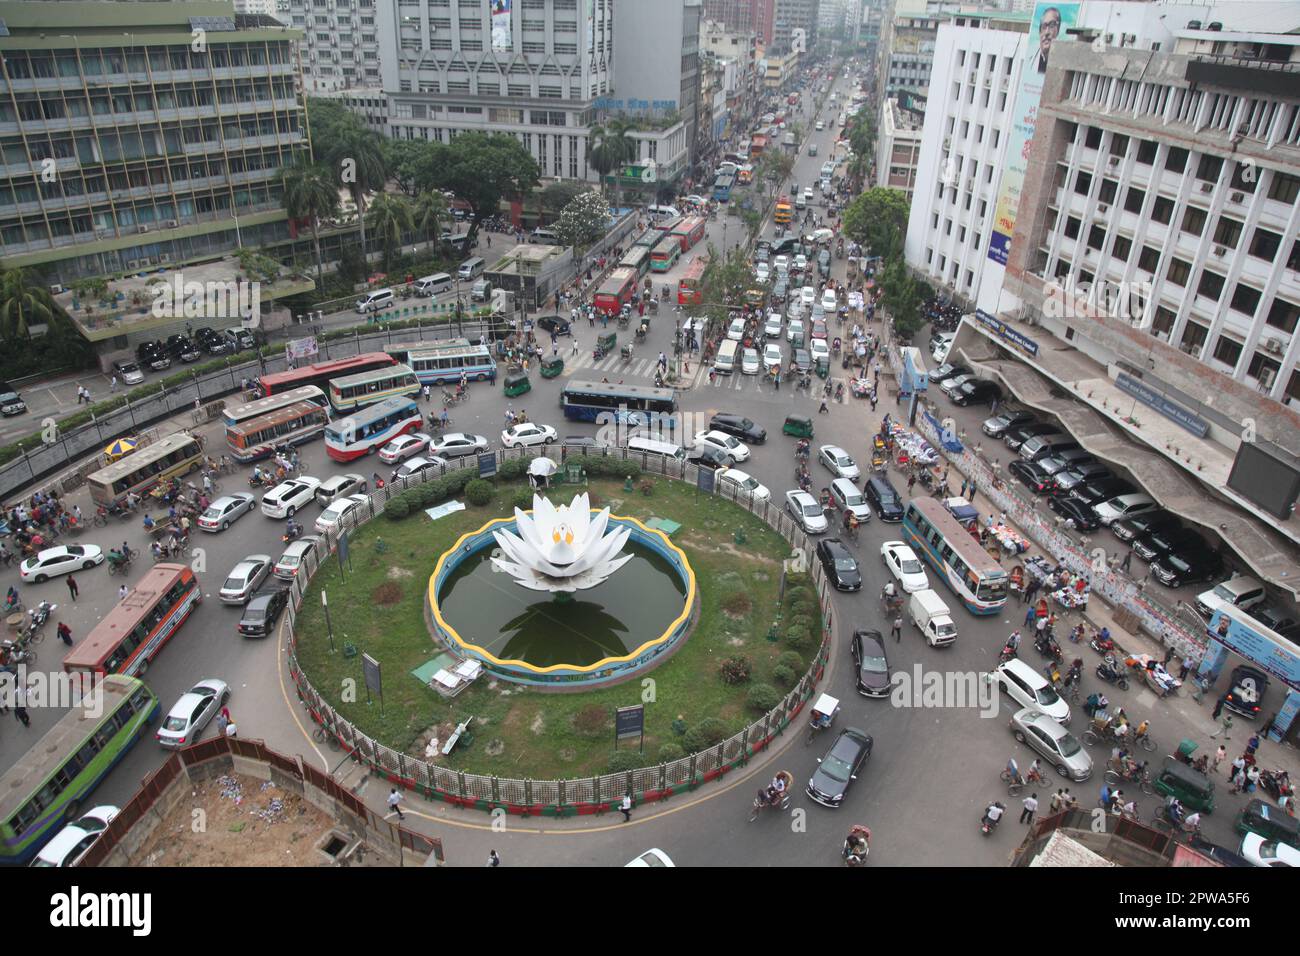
339	49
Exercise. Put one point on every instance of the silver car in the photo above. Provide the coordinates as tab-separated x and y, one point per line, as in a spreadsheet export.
1061	748
806	511
244	578
184	723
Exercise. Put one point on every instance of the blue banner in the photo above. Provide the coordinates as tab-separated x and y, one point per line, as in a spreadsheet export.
1255	646
1171	410
1007	333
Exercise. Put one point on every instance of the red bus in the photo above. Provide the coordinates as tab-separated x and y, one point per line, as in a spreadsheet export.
690	287
129	636
321	373
616	291
690	231
665	227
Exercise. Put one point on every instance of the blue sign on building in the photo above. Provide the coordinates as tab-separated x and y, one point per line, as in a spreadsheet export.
1171	410
1007	333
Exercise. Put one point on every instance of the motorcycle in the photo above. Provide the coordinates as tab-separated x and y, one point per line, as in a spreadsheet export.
16	652
1102	645
1110	671
856	846
1276	783
1008	653
266	481
989	824
1048	647
40	614
292	533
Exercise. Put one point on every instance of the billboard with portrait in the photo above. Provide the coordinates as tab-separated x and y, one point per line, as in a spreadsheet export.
501	33
1048	26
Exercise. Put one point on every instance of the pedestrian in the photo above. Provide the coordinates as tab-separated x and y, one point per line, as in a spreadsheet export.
626	807
1058	801
1030	806
1218	707
1124	566
1184	668
1219	756
1238	767
222	723
897	628
122	592
1169	656
493	859
1226	726
112	384
1029	616
395	798
65	633
1252	745
824	407
911	480
1252	774
574	350
72	587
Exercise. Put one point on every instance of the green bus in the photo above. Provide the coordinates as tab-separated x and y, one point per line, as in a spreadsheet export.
48	786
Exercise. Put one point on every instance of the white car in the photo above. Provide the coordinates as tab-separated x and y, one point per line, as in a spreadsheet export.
761	271
284	500
1123	507
724	443
54	561
807	195
129	372
838	461
818	349
1263	852
904	566
829	302
244	578
331	488
294	556
332	517
421	464
846	497
800	264
795	329
781	264
749	364
736	330
404	446
772	356
528	433
821	125
71	843
457	445
795	309
184	723
651	857
807	295
806	511
225	510
772	327
743	482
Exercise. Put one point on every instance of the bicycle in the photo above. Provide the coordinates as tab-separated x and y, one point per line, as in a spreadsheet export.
322	735
1014	786
1146	742
100	519
1114	778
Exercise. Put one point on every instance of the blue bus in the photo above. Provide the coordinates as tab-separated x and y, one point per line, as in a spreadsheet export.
628	404
969	571
723	185
437	363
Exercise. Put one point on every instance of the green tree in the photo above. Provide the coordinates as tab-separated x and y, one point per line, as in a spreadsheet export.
557	195
327	119
611	147
480	168
389	218
902	297
584	220
310	193
724	281
430	213
878	220
357	159
773	169
23	305
403	158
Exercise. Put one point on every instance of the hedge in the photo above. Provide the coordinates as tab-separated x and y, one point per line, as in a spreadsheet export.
478	492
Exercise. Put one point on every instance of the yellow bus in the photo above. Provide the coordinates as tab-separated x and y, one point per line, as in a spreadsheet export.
784	211
146	467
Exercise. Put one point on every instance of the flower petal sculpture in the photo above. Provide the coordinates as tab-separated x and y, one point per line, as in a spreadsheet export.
562	549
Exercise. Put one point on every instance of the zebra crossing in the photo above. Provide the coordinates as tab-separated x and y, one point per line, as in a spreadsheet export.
614	368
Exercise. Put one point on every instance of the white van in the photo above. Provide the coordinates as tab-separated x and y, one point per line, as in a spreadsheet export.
726	360
374	301
471	268
546	237
1240	591
1031	689
932	618
481	291
654	447
435	284
662	212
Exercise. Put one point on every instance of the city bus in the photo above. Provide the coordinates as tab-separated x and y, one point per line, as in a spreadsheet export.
256	438
617	289
648	240
638	258
320	373
370	428
784	211
723	185
131	634
49	786
690	287
145	467
234	414
745	175
690	231
968	570
633	404
439	363
664	256
757	146
351	392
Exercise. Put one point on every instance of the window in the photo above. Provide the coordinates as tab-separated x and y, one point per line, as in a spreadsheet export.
1227	351
1193	338
1162	210
1209	168
1096	237
1092	138
1210	286
1133	199
1179	271
1176	159
1072	227
1146	154
1284	188
1118	144
1163	322
1227	232
1122	248
1082	183
1107	192
1194	220
1264	244
1262	368
1245	299
1284	315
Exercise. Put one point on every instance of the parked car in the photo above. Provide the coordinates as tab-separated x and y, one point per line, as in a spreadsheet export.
1094	492
526	434
977	392
951	386
721	441
71	843
211	342
1034	475
331	519
61	559
872	663
998	425
840	565
153	356
902	563
295	556
261	613
182	347
1076	476
739	426
1017	436
1153	544
1188	564
457	445
184	723
128	372
743	484
1246	689
1130	529
946	371
1276	618
1075	511
421	465
1123	506
338	485
244	578
806	511
707	457
1062	749
839	767
837	460
223	512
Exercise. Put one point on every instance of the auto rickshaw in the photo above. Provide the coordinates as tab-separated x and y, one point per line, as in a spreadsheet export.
552	366
605	343
754	298
823	364
800	426
516	383
1273	824
627	353
1192	788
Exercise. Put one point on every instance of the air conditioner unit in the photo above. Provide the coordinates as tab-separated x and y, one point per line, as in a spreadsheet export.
1266	376
1006	82
173	223
988	81
1207	187
1102	207
1273	345
144	228
164	257
1237	197
1219	251
132	264
1113	162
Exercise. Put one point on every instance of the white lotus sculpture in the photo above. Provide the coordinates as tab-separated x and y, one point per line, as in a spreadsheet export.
562	549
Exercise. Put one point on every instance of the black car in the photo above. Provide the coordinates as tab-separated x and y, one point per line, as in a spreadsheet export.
1149	521
261	613
839	767
780	292
1102	489
839	564
1075	511
868	649
740	426
1218	854
1153	544
153	355
981	391
1076	476
1015	437
1246	689
554	325
714	458
1187	565
884	499
1275	618
1032	474
997	426
211	342
946	371
802	360
182	347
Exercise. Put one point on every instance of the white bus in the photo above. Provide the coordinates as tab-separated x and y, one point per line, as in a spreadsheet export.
437	363
351	392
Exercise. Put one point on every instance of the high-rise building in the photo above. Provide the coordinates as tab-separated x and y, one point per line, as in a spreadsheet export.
743	16
339	49
898	143
657	67
794	26
139	148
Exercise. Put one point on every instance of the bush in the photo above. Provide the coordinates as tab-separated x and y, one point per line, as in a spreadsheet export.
670	752
791	660
803	609
610	467
784	675
621	761
799	623
478	492
396	509
523	499
736	670
797	595
763	697
513	469
798	638
455	481
707	733
430	493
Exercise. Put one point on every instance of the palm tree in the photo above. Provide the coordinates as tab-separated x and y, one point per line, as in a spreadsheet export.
390	218
357	159
611	147
310	193
430	213
22	305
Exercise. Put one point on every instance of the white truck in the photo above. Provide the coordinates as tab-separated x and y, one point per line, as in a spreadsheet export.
932	618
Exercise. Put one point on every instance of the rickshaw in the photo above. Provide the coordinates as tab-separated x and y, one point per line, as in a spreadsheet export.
1017	580
1273	824
853	267
516	383
769	799
800	426
653	306
1192	788
823	714
641	331
605	343
835	347
624	318
552	366
627	352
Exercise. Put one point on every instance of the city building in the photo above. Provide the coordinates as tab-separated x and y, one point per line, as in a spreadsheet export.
898	143
339	49
657	66
266	8
911	52
780	69
794	26
743	16
736	53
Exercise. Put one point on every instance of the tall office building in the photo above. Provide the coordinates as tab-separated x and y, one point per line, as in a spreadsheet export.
794	23
658	67
339	49
743	16
126	147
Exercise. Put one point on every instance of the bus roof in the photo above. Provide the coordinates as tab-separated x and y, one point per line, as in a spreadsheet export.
634	255
617	279
609	388
277	416
380	409
668	243
269	404
123	618
60	741
427	347
360	378
120	469
959	539
331	369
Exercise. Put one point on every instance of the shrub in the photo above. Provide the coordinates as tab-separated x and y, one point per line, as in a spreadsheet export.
610	467
791	660
478	492
455	481
799	622
523	499
670	752
798	638
396	509
429	494
736	670
705	734
621	761
798	595
810	611
785	676
763	697
513	468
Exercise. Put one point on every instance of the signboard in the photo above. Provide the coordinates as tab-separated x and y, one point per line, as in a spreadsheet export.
374	679
1253	644
705	479
1171	410
487	465
1007	333
1049	23
1266	477
301	349
629	722
502	41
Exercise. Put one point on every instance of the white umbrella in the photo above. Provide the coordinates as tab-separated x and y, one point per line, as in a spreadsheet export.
543	467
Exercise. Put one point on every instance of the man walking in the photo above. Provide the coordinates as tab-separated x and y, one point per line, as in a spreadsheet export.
896	629
65	633
1219	756
72	587
1030	806
493	859
1224	728
626	807
395	798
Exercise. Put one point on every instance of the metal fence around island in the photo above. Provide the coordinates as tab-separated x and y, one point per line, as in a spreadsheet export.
595	794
